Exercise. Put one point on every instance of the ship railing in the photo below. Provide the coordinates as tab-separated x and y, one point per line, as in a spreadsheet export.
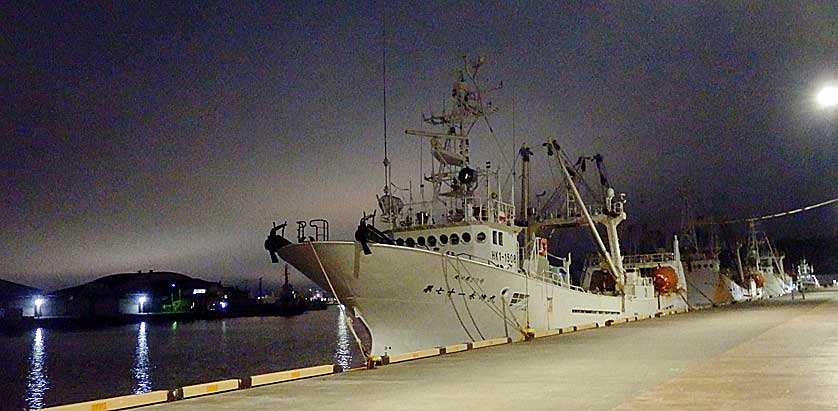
472	209
417	214
320	227
701	256
472	257
648	258
550	277
645	281
574	211
489	209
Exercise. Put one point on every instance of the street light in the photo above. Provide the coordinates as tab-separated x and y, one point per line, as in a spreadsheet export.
39	301
828	97
142	300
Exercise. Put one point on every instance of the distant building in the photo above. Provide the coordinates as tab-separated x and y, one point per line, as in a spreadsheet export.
17	300
136	293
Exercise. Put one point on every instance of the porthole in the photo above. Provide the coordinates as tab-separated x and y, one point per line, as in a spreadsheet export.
466	237
443	239
481	237
421	241
455	239
431	241
399	241
410	242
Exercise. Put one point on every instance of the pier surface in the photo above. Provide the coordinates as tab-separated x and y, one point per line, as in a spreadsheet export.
777	354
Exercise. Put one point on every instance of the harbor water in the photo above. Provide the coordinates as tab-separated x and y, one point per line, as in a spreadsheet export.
45	367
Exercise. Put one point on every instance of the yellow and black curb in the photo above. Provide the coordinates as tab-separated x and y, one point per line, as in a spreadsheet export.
197	390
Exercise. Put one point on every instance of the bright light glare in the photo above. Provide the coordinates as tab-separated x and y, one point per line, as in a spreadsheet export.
223	305
39	302
142	299
828	96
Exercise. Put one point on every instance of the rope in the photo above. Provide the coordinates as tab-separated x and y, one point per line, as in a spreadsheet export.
493	308
783	214
332	289
680	294
454	306
465	302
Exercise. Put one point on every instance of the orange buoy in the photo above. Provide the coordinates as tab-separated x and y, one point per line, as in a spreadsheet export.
665	280
759	280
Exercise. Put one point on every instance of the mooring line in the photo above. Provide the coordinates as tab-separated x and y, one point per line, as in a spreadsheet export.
332	288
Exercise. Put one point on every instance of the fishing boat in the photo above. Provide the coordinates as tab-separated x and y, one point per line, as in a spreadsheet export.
462	263
712	281
763	260
757	272
805	277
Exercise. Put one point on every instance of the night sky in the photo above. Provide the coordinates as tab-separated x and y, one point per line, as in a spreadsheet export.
170	136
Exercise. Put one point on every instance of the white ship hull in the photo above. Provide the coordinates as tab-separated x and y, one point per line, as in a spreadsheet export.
412	299
708	286
774	286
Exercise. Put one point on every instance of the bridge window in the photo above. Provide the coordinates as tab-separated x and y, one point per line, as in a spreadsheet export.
431	241
410	242
481	237
421	241
455	239
494	237
500	238
443	239
466	237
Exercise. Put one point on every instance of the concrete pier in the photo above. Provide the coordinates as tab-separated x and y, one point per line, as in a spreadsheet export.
777	354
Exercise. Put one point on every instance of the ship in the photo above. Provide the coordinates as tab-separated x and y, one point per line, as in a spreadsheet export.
764	260
462	263
805	277
744	271
715	276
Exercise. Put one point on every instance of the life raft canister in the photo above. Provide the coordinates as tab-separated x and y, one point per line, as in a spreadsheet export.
665	280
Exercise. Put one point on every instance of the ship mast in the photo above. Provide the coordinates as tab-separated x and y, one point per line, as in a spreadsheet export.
524	218
387	170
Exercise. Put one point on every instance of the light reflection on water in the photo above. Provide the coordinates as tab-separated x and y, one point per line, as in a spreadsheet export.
53	366
37	384
343	355
140	370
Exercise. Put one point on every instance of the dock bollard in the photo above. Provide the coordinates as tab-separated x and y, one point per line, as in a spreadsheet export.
529	334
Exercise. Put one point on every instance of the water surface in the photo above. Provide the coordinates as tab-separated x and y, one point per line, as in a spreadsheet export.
46	367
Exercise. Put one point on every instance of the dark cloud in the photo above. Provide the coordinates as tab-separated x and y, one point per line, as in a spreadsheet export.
169	137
